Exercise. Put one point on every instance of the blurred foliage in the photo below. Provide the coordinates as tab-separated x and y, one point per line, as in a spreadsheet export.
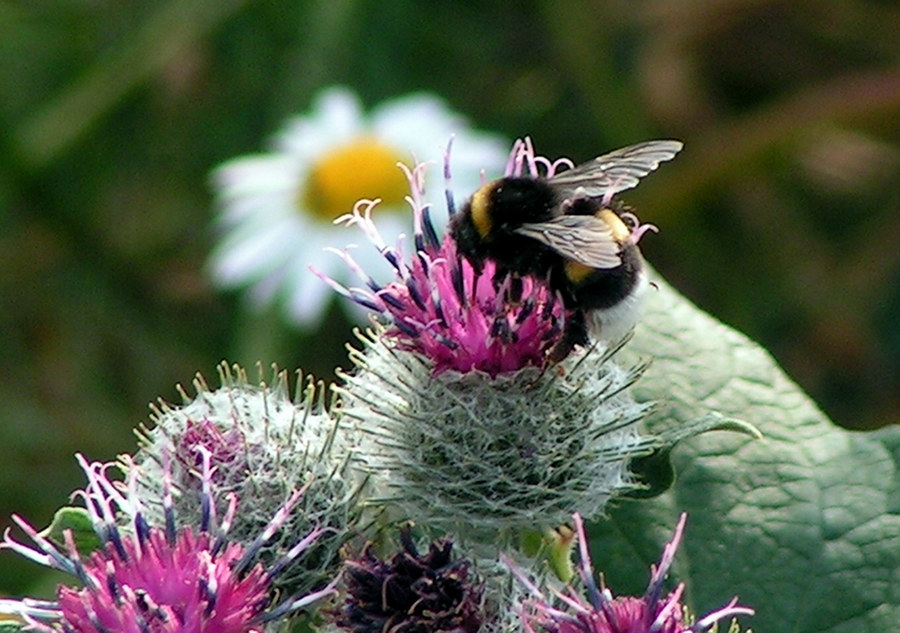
781	217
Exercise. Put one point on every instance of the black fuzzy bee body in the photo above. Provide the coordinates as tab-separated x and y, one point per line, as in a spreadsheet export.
563	229
487	226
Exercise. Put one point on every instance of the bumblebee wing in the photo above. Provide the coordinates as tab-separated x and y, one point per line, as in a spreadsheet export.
614	172
583	238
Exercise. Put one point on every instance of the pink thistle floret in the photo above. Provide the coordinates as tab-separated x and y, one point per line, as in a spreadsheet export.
165	579
601	612
185	587
440	307
228	448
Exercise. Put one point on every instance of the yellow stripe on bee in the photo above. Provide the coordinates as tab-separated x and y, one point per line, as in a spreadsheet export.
481	210
577	272
620	232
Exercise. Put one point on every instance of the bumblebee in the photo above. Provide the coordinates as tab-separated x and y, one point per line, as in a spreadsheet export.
567	230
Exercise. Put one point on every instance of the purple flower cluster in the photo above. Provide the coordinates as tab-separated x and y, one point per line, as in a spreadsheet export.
601	612
411	592
157	579
440	307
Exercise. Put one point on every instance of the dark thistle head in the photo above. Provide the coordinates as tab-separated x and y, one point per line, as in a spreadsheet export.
410	592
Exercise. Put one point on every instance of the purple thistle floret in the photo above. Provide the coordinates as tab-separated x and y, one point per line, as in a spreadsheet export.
411	592
600	612
227	448
439	306
150	579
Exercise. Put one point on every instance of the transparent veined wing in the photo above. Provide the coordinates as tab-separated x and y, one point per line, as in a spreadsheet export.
583	238
616	171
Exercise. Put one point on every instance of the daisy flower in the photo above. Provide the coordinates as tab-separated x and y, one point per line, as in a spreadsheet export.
276	210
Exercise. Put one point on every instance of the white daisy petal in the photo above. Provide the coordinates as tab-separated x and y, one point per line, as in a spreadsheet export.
266	290
310	297
249	175
415	117
337	118
249	255
423	124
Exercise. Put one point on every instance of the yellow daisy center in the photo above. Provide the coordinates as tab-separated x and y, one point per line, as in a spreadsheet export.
365	168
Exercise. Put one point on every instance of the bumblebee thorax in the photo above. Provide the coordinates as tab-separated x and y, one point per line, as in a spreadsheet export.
510	202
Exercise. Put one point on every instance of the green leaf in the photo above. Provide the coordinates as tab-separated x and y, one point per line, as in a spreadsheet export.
561	542
655	473
803	525
79	523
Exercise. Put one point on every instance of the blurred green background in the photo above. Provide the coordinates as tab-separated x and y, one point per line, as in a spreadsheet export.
781	217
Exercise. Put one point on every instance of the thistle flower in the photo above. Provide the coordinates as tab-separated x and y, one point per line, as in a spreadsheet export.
600	612
158	579
467	429
276	209
411	592
441	308
262	445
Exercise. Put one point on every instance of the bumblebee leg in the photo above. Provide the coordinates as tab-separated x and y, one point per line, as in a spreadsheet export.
574	333
510	284
516	290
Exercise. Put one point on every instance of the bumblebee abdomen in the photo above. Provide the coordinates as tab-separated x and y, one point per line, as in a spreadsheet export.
601	288
576	272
